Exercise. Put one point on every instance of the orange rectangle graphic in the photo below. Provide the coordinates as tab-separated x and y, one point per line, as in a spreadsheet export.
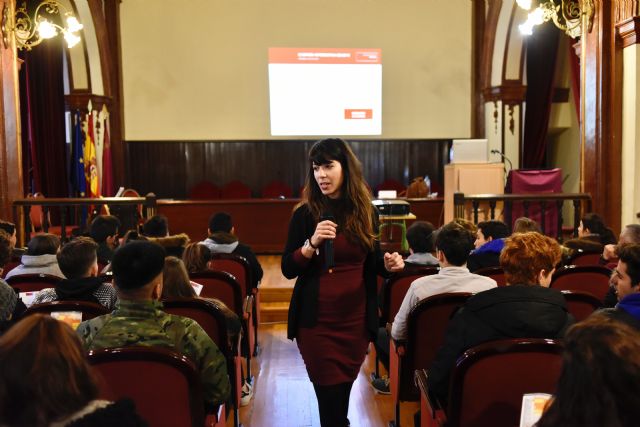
358	114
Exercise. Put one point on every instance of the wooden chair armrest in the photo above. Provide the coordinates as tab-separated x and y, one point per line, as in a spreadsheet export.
431	408
248	306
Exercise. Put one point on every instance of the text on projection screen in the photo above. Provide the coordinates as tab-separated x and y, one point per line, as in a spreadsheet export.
325	91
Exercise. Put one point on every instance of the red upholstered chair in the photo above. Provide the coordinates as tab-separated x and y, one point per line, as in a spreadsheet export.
276	190
164	385
396	287
592	279
235	190
88	309
204	190
489	380
582	258
391	184
426	328
581	304
212	320
15	261
239	267
225	287
32	282
496	273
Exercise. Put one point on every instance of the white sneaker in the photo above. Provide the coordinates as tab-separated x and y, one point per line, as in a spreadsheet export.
246	394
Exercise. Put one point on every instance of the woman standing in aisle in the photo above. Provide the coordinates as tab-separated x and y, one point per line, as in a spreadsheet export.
333	251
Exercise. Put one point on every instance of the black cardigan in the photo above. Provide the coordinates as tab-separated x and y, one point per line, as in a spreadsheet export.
303	309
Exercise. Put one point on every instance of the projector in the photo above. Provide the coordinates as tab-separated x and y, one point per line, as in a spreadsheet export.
392	207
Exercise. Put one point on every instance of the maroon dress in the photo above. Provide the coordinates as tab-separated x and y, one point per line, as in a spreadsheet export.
335	348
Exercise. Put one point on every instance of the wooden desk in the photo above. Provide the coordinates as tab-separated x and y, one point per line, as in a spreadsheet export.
262	224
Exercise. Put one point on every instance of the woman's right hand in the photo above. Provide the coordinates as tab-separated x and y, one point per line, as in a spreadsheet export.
325	230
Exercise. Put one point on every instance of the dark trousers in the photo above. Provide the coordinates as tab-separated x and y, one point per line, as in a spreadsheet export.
382	347
333	403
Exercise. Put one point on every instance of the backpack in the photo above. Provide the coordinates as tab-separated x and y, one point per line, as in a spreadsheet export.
417	189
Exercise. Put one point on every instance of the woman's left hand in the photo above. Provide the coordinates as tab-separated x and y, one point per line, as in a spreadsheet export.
393	262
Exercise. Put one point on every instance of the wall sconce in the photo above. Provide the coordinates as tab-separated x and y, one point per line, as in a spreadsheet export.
565	14
31	31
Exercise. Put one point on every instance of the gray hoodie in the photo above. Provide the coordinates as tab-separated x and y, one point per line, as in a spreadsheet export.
37	264
220	248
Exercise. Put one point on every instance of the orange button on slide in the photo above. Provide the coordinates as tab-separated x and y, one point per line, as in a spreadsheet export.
358	114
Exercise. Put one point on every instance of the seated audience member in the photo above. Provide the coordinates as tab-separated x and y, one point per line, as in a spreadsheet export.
176	284
139	320
78	262
11	307
10	229
524	225
525	308
104	230
489	242
599	383
40	257
593	235
452	249
626	282
467	225
630	234
222	239
420	236
156	229
45	380
196	257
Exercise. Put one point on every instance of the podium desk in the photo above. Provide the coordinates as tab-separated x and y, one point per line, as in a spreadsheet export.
400	221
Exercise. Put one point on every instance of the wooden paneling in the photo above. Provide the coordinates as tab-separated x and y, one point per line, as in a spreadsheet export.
169	169
260	223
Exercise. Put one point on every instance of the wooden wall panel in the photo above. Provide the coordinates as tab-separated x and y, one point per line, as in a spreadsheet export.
170	168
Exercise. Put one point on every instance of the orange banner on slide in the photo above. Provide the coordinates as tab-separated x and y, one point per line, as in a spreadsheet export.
358	114
294	55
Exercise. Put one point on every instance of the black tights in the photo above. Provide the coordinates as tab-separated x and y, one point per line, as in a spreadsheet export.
333	403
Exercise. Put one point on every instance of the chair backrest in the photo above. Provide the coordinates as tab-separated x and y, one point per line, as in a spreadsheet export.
426	328
276	189
495	273
235	190
204	190
32	282
591	279
13	263
581	304
208	316
164	385
396	287
582	258
237	266
489	380
220	285
88	309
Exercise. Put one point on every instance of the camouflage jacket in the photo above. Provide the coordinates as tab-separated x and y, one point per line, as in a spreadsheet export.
144	323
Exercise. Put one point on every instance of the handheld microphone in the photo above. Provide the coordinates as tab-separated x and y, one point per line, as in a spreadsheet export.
328	243
498	152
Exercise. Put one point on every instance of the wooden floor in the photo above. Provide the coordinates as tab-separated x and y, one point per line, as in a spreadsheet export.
283	394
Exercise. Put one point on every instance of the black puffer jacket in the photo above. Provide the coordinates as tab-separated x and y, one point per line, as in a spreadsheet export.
515	311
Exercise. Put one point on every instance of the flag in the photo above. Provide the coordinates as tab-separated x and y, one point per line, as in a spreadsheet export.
107	167
90	163
78	179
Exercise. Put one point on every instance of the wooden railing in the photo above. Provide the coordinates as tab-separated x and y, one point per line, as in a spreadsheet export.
69	208
580	201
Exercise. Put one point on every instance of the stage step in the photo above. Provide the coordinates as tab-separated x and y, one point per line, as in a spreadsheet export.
274	312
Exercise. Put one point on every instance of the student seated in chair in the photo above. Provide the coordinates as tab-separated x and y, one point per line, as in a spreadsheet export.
420	236
489	242
10	229
525	308
156	229
222	239
626	282
40	257
11	307
79	264
452	249
139	320
104	230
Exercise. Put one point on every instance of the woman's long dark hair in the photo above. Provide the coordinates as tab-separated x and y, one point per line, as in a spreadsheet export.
353	209
595	224
44	376
600	381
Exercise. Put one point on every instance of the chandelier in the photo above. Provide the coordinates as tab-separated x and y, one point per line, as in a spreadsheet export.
565	14
49	19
